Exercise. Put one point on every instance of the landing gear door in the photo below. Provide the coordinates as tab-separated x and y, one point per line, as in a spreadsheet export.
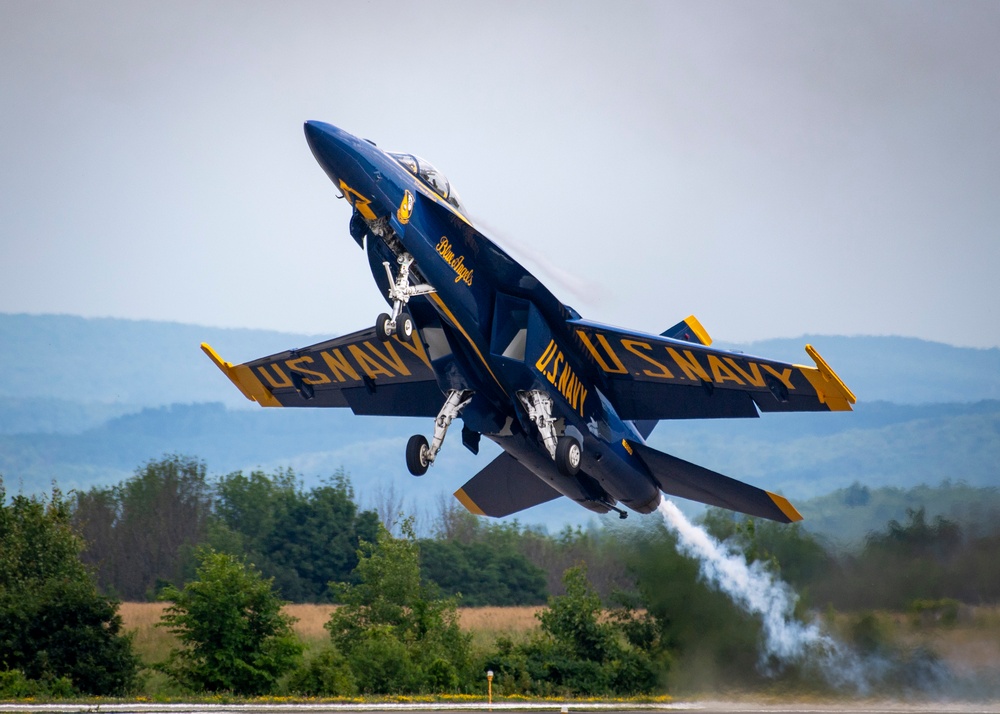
511	317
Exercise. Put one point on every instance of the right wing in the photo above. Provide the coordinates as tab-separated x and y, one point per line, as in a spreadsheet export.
661	377
393	377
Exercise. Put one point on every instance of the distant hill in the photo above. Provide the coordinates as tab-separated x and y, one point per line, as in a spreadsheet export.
147	363
86	401
803	456
138	363
904	370
846	516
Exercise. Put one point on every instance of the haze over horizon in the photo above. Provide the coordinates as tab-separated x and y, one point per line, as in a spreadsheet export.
777	169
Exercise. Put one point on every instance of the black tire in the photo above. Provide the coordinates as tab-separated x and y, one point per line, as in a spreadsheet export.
416	455
569	454
404	326
382	326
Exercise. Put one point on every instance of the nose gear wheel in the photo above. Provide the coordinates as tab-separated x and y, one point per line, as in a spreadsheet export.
400	292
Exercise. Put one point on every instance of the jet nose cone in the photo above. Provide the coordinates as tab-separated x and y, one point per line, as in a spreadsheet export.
312	128
329	146
320	134
315	129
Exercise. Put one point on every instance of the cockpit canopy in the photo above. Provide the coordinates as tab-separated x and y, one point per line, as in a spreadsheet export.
436	180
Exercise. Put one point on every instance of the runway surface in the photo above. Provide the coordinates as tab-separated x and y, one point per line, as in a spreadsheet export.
700	707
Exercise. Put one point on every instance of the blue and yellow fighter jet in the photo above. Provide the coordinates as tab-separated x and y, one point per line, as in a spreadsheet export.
472	334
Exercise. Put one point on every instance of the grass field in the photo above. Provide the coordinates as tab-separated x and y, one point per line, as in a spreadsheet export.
971	643
485	623
970	646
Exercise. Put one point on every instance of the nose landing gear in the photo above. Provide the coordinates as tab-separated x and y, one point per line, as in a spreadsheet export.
400	292
385	326
420	455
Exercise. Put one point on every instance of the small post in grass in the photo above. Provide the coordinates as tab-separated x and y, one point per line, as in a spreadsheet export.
489	688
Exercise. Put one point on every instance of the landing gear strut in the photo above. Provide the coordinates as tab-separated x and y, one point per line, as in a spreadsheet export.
420	455
400	292
564	450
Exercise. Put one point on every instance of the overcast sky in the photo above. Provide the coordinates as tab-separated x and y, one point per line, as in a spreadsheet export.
775	168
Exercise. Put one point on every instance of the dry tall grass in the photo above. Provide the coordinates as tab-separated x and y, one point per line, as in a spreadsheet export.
972	643
499	619
152	643
485	623
310	620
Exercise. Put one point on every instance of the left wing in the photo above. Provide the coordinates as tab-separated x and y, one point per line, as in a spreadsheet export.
390	377
657	377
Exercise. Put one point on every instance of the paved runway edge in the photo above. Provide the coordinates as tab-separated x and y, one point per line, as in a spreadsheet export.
703	707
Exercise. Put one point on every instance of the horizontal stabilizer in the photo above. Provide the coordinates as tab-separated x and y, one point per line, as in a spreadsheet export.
677	477
504	487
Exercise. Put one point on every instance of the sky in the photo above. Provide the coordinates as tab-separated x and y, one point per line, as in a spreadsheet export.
775	168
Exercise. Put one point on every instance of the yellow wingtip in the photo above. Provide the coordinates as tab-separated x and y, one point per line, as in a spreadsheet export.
828	384
214	356
244	379
786	507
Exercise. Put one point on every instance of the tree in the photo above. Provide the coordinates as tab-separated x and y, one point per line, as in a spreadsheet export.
708	640
394	634
490	571
233	635
54	626
303	539
143	532
916	560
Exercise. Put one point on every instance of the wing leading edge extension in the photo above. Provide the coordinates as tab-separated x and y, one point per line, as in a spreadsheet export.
656	377
370	376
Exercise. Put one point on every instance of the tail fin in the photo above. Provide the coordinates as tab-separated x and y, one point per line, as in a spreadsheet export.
689	330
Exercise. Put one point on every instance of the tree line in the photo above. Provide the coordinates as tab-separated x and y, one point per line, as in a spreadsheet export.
628	614
141	536
394	632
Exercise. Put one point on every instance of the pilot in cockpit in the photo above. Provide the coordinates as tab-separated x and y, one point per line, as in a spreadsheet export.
436	180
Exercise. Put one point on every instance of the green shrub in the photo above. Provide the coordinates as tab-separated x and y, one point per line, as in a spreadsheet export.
14	685
926	613
394	635
326	673
232	632
579	651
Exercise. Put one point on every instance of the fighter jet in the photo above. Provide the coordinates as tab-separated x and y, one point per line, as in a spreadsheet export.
470	334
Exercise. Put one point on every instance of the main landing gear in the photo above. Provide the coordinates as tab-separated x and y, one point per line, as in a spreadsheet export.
420	455
566	451
400	292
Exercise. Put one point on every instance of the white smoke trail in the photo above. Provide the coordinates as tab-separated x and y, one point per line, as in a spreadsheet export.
756	591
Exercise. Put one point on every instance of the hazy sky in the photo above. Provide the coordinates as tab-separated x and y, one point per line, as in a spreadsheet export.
776	168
